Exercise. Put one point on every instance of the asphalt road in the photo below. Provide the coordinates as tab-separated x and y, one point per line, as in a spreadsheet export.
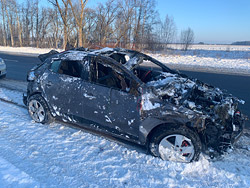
239	86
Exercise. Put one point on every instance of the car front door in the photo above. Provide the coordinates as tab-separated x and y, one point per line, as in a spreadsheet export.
116	102
125	112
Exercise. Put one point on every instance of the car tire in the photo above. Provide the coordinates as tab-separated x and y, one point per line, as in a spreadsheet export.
38	109
175	143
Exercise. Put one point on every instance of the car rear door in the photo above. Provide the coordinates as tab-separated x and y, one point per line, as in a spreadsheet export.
62	88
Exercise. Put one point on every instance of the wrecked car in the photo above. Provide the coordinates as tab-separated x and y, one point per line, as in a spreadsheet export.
130	95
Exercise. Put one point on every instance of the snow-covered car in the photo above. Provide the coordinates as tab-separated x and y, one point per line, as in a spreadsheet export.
133	96
2	68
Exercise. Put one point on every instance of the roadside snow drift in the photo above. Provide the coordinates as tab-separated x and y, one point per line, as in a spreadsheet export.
58	155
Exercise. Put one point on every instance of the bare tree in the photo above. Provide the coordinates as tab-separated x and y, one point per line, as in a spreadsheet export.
187	38
90	27
64	15
78	16
55	30
106	15
168	30
3	18
7	7
124	23
19	28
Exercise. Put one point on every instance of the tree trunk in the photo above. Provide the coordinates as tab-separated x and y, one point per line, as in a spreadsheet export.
19	30
37	25
10	26
65	36
64	17
79	21
79	36
4	29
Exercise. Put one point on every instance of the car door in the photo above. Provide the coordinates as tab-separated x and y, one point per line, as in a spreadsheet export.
96	98
62	88
115	106
125	106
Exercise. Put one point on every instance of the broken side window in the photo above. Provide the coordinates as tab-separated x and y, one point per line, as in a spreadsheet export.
85	69
147	71
71	68
110	77
120	58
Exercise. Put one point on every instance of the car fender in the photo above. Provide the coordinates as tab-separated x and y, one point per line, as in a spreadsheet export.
150	123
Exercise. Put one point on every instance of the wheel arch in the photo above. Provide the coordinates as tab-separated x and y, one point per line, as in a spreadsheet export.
44	98
37	96
35	93
151	125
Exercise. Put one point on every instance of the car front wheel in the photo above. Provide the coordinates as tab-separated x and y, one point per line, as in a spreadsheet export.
175	143
38	109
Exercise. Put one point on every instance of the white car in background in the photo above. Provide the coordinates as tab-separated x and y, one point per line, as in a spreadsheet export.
2	68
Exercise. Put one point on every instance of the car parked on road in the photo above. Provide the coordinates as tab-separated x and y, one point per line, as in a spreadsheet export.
2	68
133	96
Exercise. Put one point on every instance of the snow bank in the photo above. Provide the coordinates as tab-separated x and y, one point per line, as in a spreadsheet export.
58	155
27	50
208	58
213	47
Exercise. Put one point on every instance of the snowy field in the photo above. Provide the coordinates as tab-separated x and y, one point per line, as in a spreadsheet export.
59	155
226	59
208	58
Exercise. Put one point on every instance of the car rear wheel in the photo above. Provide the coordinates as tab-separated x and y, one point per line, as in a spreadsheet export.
38	109
175	143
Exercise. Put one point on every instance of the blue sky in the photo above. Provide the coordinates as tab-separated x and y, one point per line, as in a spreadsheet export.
213	21
219	21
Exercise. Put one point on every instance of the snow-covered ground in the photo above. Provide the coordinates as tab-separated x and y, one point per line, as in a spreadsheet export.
214	47
208	58
26	50
60	155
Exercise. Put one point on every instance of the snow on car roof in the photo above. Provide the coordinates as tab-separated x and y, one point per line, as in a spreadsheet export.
74	55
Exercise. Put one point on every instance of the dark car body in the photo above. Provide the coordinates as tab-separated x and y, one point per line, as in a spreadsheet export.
128	94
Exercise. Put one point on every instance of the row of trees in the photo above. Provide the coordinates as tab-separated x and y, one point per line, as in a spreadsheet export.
68	23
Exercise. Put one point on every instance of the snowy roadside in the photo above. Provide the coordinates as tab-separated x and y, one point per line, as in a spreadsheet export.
30	51
14	84
238	66
59	155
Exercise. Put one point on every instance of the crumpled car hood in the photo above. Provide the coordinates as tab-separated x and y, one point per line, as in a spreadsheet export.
192	94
